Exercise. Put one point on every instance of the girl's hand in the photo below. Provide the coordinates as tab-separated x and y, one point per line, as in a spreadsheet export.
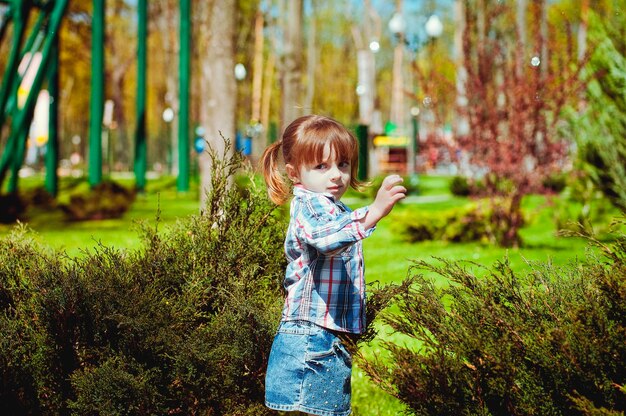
388	195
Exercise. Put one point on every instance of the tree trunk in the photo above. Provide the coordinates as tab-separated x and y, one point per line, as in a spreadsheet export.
268	83
520	23
366	64
121	144
257	68
218	87
292	64
166	24
461	121
311	61
543	30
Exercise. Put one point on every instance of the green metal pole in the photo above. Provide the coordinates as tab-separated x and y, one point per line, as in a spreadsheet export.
23	116
140	133
20	11
362	133
9	86
18	159
32	45
5	23
52	148
183	116
415	137
97	93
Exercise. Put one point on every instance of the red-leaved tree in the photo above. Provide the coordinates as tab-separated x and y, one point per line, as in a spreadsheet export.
516	94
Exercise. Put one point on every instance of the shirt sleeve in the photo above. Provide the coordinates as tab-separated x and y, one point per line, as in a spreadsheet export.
321	224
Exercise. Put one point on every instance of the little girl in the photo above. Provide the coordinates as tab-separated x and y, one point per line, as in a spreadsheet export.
309	368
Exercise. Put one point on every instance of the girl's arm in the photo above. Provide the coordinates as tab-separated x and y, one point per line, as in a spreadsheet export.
319	224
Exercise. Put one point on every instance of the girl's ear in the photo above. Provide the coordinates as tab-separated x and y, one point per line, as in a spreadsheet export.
292	173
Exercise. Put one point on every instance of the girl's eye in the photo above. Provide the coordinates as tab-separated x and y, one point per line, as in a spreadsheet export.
344	164
321	166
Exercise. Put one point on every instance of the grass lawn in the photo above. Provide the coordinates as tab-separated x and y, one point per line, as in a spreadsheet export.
387	257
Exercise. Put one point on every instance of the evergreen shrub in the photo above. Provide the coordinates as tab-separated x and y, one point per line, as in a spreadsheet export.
106	200
12	208
555	182
496	342
471	223
181	326
459	186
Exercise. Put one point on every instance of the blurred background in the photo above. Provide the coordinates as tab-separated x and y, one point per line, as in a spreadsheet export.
508	96
412	78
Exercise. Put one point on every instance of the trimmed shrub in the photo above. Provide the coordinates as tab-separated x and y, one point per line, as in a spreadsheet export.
106	200
181	326
12	208
555	182
472	223
548	342
459	186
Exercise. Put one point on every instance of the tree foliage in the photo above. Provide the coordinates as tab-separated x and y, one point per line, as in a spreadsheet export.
600	125
515	105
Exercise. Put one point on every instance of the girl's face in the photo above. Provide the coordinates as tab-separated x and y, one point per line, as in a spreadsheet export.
331	175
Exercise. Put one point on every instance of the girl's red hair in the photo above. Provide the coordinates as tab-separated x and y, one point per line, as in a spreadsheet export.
303	144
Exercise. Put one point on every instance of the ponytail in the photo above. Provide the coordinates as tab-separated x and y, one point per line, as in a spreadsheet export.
277	187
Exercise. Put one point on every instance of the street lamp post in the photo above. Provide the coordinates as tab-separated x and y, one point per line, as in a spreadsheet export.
434	29
397	26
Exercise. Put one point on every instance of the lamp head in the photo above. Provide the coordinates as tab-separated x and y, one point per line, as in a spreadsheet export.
434	27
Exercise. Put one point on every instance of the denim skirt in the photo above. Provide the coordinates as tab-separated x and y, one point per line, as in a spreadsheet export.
309	371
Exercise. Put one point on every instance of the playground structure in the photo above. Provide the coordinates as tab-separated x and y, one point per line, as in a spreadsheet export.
33	63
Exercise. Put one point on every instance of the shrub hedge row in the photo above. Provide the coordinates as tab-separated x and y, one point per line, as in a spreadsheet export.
182	325
475	222
494	342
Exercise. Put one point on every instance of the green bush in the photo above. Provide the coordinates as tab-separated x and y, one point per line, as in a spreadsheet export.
555	182
581	203
106	200
12	208
549	342
182	325
455	225
459	186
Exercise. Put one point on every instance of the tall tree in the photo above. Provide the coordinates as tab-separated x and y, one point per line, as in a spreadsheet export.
163	76
461	124
599	124
121	57
363	34
514	112
336	68
217	86
292	63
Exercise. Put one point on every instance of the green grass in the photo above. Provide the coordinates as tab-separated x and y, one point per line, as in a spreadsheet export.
160	200
387	257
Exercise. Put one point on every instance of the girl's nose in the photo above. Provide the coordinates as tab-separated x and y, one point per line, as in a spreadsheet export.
335	173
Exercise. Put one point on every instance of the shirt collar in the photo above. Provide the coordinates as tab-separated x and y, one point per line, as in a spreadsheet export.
301	190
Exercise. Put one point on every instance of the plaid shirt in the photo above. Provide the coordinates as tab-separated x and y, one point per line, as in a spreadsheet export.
325	277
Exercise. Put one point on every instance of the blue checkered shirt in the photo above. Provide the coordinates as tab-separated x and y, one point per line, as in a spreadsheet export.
325	277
